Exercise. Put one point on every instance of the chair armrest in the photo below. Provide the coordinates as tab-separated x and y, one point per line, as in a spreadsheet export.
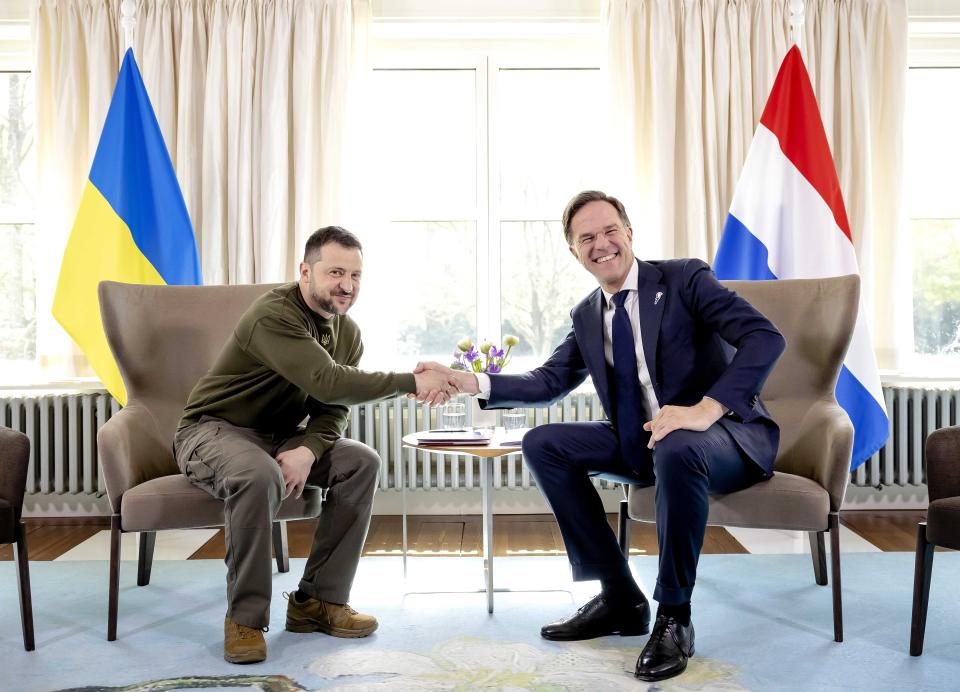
943	463
14	461
818	447
132	451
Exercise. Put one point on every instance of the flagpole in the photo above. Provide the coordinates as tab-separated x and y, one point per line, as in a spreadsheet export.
796	22
128	10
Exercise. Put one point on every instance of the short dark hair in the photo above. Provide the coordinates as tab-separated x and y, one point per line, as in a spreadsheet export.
583	199
325	235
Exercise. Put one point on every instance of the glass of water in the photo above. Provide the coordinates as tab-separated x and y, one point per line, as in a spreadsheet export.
453	415
514	419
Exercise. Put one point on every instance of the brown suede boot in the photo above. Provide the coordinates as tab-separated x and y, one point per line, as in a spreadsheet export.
242	644
313	615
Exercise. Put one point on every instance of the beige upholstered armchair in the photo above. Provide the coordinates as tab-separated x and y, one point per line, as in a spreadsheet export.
816	316
164	338
942	526
14	460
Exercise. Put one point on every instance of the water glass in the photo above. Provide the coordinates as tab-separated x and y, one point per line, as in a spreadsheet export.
453	416
514	419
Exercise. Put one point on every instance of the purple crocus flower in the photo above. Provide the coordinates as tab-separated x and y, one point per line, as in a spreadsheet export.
472	354
495	352
493	368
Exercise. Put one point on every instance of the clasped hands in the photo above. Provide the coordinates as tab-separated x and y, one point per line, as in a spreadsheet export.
436	383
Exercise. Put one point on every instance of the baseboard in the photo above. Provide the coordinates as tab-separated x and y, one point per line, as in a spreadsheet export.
888	497
470	501
53	505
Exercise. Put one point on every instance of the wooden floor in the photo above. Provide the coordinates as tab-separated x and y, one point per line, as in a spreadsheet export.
514	534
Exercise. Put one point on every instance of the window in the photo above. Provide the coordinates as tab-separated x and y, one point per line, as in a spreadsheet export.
932	150
18	314
480	156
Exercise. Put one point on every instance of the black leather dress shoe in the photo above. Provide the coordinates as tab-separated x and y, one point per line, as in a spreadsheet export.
598	618
667	651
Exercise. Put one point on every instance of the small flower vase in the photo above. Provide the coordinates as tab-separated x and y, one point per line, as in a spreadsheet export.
480	418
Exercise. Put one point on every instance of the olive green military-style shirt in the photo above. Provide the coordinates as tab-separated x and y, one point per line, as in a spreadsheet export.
284	363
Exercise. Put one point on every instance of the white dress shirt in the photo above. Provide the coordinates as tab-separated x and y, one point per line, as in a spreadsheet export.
631	306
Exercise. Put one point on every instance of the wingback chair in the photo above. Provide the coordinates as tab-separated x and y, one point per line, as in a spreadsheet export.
816	316
164	338
14	458
942	526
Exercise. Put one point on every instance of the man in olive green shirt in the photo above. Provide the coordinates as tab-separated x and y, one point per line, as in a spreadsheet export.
292	356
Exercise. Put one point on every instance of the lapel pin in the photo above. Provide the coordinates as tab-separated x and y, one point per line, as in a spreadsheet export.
658	297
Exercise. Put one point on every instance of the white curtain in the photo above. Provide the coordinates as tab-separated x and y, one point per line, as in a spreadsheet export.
252	98
689	80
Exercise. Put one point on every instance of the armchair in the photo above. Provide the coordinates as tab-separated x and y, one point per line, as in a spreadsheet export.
942	526
817	317
14	460
164	338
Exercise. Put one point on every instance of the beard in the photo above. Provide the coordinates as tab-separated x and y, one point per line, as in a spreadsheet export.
326	302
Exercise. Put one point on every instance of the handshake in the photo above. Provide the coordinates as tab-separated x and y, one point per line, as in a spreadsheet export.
436	383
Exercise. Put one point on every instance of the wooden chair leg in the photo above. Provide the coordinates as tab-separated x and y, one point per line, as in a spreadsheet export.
23	585
280	548
114	595
921	589
819	554
623	528
834	525
148	540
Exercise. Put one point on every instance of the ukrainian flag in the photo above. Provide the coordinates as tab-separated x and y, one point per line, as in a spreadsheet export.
132	225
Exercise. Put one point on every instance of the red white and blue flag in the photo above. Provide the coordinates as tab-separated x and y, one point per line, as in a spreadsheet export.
787	221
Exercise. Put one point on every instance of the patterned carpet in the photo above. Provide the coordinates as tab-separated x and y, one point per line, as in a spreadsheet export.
762	624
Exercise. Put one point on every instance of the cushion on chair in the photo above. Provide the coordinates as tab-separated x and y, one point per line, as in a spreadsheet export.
943	522
7	519
785	501
173	502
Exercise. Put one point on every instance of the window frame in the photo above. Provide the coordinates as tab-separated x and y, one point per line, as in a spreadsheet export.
402	45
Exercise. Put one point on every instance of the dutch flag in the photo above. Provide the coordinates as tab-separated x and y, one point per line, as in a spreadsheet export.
787	221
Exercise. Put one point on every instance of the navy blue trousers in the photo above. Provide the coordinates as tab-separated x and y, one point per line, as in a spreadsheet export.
685	467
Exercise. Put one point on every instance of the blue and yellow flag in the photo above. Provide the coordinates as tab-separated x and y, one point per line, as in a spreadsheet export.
132	225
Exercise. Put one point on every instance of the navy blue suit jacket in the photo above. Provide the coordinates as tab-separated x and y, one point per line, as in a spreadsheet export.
687	334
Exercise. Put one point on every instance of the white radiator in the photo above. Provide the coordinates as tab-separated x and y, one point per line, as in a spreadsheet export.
62	430
383	425
63	438
914	412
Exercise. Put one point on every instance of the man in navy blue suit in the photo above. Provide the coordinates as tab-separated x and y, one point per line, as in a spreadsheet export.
683	414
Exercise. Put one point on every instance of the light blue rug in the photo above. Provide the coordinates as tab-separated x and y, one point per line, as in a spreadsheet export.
762	624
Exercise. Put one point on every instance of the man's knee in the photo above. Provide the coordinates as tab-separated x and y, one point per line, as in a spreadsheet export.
259	478
679	455
368	462
540	440
355	460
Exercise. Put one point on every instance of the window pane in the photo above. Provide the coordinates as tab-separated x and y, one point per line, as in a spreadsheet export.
419	293
18	287
549	125
936	286
16	147
932	111
426	139
540	283
932	147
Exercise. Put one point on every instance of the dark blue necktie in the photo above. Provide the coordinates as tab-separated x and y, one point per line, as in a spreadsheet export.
628	406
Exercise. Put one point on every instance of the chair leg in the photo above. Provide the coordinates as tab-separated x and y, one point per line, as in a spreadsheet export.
623	528
921	589
819	554
280	549
148	540
114	595
834	524
23	583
